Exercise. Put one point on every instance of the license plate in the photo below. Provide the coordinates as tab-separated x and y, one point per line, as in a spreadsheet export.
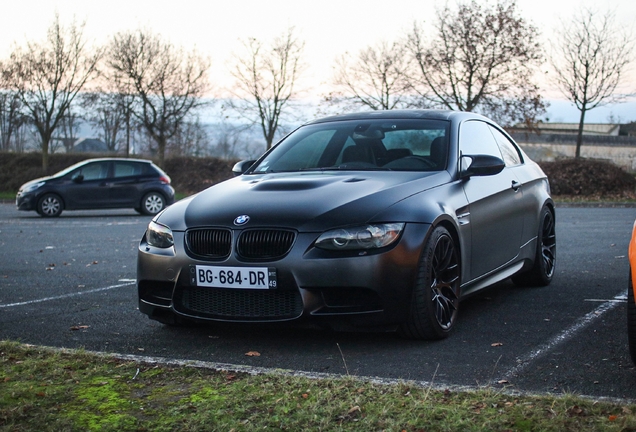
233	277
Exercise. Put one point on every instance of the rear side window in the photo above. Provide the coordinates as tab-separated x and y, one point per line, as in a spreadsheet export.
127	169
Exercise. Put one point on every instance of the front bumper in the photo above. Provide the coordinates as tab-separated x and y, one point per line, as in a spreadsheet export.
25	201
371	288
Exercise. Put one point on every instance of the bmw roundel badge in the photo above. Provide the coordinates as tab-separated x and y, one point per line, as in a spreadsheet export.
241	220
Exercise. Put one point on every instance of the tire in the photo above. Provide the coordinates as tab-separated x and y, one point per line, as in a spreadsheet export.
631	318
542	270
435	301
50	205
152	203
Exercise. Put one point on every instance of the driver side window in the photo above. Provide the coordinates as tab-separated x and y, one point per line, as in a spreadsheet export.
94	171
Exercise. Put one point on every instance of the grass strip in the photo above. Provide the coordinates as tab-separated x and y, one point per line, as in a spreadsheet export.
50	390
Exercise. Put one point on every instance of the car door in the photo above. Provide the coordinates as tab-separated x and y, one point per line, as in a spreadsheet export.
88	186
495	205
125	187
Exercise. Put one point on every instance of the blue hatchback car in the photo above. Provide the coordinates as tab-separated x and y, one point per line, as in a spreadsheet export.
99	184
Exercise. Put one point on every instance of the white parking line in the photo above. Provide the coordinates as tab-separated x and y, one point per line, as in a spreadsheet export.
128	282
562	337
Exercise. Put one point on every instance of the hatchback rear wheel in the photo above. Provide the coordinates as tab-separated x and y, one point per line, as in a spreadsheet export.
435	299
152	203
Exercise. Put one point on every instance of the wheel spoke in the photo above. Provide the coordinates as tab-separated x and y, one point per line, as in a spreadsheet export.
548	244
445	279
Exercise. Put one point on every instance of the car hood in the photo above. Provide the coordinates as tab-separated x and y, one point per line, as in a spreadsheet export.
34	181
304	201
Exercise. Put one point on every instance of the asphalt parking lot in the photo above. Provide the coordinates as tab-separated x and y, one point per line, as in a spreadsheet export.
70	282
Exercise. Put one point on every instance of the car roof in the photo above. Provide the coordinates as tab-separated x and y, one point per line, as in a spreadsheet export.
403	114
116	159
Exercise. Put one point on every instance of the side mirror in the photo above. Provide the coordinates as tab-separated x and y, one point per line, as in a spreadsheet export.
242	166
480	165
78	178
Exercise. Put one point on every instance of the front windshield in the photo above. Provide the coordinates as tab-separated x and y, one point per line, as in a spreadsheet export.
69	169
400	145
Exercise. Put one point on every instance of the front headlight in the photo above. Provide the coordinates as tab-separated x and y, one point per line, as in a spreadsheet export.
365	237
159	235
32	187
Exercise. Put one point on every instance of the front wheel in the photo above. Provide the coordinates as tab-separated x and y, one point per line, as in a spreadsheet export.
435	299
542	270
50	205
152	203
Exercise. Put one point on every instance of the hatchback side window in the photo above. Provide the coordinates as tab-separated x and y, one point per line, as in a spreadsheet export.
127	169
475	139
511	155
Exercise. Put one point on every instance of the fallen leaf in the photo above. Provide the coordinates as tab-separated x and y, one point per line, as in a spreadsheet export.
353	410
576	411
79	327
496	344
253	354
612	418
503	381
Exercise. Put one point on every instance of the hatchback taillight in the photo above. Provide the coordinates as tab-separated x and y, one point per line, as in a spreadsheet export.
164	179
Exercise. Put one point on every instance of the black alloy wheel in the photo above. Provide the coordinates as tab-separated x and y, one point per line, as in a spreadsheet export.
436	295
50	205
152	203
545	259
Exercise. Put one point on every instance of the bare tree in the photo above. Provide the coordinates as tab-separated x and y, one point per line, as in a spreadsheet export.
590	57
66	132
48	76
266	80
106	112
480	58
12	117
168	82
374	79
191	139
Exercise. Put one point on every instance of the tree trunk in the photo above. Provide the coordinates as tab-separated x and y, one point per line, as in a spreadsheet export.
161	150
579	136
46	140
127	132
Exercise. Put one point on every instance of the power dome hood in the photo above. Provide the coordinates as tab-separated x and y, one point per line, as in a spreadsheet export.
303	201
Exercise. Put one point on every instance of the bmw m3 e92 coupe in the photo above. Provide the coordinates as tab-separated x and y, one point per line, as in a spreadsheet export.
371	220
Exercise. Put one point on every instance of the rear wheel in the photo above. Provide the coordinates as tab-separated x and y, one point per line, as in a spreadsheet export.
631	318
50	205
152	203
435	299
545	256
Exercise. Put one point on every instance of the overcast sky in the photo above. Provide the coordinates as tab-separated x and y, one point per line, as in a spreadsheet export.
328	27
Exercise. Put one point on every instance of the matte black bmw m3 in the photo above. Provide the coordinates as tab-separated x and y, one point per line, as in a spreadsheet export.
379	220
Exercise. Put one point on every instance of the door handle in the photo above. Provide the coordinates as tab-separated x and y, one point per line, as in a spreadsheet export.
515	185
